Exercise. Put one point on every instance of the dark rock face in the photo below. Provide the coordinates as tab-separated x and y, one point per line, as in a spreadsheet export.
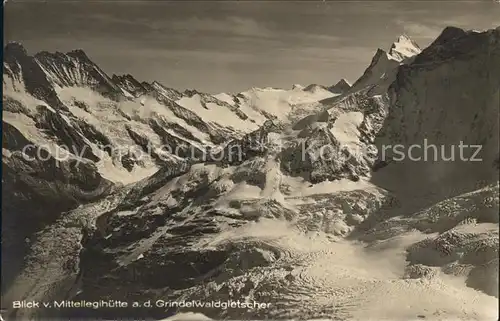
76	69
55	125
456	43
165	92
375	70
131	85
23	67
341	87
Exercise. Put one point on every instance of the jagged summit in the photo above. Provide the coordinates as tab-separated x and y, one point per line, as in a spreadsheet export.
25	74
39	73
405	39
14	48
127	77
75	55
344	82
377	69
455	34
166	92
130	84
341	87
403	48
78	53
383	67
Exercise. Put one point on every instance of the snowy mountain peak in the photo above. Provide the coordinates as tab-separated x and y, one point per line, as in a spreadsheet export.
344	82
380	64
166	92
404	48
383	66
24	74
14	56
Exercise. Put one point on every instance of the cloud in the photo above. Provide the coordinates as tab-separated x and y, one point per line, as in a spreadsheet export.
237	26
420	30
244	27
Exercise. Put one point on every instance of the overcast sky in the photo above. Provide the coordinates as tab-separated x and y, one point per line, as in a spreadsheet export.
232	46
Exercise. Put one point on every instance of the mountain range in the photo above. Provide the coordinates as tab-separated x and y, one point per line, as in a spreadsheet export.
120	189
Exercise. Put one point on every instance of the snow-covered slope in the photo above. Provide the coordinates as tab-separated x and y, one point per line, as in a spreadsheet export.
298	213
403	49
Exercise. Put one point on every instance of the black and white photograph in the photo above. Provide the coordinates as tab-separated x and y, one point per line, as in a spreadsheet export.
250	160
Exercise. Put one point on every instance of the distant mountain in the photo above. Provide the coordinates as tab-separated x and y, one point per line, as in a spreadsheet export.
384	65
341	87
295	205
404	48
